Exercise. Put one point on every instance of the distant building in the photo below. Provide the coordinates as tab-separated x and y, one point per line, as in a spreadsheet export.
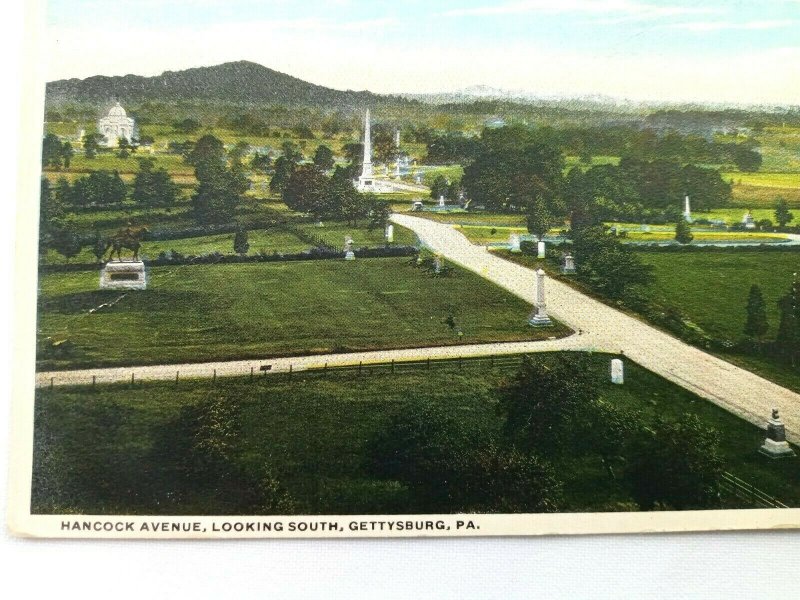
116	125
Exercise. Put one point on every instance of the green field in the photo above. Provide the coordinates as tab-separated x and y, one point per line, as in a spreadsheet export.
712	287
223	312
312	432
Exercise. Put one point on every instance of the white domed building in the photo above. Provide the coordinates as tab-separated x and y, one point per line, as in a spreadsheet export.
116	125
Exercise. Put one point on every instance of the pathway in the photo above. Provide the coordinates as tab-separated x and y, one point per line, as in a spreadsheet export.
302	363
735	389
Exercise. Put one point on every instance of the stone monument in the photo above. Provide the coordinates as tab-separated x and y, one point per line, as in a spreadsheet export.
348	248
617	371
437	264
366	182
748	221
687	211
116	126
441	202
389	233
124	275
513	243
775	445
540	249
539	316
568	268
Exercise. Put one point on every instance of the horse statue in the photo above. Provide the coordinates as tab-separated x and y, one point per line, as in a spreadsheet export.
129	238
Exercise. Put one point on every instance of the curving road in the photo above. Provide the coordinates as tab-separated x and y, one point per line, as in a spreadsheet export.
735	389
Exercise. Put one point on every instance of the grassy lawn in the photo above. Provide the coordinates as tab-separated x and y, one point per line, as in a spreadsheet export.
707	236
690	280
222	312
312	430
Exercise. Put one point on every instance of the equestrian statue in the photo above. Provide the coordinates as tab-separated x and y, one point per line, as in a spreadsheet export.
129	238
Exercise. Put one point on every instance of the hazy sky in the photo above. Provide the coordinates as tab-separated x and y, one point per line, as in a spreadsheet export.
715	50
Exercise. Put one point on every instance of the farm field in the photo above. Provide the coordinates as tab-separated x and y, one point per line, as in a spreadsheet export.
312	432
231	311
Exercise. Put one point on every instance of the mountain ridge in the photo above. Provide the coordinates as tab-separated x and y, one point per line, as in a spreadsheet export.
241	82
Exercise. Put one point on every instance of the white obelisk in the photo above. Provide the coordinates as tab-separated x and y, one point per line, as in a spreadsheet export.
365	182
687	211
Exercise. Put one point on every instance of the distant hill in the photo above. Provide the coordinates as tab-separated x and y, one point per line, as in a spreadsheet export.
239	82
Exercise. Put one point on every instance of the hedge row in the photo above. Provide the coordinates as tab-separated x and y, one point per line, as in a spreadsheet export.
176	258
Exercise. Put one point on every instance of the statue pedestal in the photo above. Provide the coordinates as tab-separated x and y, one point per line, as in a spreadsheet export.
775	445
349	255
123	275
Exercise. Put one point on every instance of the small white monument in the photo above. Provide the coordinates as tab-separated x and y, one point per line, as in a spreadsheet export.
389	233
441	201
437	264
748	221
417	206
348	249
540	249
568	268
513	243
776	446
123	275
418	179
617	371
539	316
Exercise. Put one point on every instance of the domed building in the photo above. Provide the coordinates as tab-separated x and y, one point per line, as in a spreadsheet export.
116	125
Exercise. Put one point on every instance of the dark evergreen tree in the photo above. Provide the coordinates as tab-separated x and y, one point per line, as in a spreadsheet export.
782	214
240	243
683	232
756	324
323	158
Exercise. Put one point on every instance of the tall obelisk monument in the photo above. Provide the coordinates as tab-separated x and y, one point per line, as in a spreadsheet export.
365	182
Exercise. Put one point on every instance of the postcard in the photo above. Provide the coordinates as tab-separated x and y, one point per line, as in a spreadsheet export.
362	269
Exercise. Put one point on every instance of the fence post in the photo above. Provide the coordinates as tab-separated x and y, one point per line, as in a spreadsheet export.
492	360
132	381
214	377
251	373
177	376
290	371
429	363
392	365
326	369
359	367
459	363
94	381
51	383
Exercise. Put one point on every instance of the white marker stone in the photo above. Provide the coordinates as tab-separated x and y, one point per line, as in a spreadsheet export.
617	371
540	249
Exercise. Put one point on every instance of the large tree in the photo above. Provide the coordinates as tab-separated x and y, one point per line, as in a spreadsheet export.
546	398
608	266
98	189
677	465
323	158
309	190
451	465
511	168
787	340
153	186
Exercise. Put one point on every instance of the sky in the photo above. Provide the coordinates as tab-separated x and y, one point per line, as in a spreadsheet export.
717	51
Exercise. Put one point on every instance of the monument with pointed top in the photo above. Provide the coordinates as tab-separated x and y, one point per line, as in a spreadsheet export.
687	211
366	182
